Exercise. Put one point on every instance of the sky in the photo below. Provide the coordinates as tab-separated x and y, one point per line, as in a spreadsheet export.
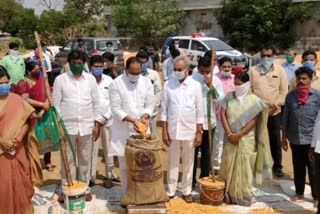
38	5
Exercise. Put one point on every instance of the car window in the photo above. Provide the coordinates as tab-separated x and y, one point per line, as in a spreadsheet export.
68	46
102	45
218	45
184	43
88	44
197	46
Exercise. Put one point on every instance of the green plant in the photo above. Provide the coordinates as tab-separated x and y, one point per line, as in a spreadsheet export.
251	23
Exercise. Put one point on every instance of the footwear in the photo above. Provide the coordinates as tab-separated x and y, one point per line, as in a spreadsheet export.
108	183
61	198
187	198
116	180
297	198
278	172
216	172
88	197
171	197
50	167
92	183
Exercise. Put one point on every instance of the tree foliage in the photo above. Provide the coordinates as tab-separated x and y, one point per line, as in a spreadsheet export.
146	20
251	23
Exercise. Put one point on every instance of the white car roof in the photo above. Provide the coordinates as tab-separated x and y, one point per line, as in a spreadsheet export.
200	38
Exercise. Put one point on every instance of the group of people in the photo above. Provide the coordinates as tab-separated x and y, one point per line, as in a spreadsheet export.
249	110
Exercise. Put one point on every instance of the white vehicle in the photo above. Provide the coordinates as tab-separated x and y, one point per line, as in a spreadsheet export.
196	45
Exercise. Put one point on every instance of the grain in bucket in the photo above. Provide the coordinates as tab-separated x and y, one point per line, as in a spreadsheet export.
211	192
75	196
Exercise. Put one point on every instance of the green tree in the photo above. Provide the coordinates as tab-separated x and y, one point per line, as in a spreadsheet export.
146	21
251	23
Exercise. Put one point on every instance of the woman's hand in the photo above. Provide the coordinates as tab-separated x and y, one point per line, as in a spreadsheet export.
8	146
234	138
46	105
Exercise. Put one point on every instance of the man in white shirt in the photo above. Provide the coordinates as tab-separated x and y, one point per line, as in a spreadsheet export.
76	97
202	75
167	66
182	116
132	101
156	82
314	155
105	119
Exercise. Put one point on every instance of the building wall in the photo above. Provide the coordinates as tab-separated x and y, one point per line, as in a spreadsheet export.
203	20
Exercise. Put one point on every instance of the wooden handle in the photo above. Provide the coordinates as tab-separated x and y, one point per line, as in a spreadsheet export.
48	91
209	118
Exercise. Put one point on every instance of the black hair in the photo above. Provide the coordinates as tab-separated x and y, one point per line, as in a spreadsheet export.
208	53
109	43
109	56
309	52
96	59
223	60
142	54
43	44
242	76
175	53
268	47
304	70
204	61
79	40
4	72
77	54
30	66
131	60
13	45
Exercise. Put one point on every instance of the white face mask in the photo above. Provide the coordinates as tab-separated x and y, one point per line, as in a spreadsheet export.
180	74
176	46
242	90
225	73
133	78
13	52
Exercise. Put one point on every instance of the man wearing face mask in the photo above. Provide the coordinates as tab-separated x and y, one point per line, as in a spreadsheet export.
227	80
202	75
269	82
290	66
300	112
76	97
14	63
132	101
182	119
103	81
156	82
167	66
109	68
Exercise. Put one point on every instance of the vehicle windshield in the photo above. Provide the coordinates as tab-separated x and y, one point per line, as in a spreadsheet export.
218	45
102	45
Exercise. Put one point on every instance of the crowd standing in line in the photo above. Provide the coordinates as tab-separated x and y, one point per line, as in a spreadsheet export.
101	106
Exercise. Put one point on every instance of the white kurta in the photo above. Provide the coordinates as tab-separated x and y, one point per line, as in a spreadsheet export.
128	99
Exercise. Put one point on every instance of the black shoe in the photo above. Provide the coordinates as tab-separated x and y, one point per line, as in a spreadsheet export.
278	172
91	184
187	198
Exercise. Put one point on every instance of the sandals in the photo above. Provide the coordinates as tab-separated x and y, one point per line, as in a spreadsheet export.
50	167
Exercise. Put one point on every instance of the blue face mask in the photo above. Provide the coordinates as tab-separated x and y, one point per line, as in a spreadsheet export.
97	71
310	64
266	64
144	68
4	88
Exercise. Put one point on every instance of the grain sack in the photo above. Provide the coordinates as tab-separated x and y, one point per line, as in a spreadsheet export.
145	175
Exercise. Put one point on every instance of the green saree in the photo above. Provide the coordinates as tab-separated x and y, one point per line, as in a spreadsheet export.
248	159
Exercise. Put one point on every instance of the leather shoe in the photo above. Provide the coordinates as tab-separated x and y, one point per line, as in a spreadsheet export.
278	173
187	198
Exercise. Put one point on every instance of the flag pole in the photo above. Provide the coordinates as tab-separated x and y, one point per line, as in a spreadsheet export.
60	129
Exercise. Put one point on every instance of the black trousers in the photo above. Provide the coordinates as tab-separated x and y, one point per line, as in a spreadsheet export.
205	158
274	123
317	179
300	162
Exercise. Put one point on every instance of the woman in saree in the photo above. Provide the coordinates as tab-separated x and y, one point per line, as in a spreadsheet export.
16	115
32	90
244	118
